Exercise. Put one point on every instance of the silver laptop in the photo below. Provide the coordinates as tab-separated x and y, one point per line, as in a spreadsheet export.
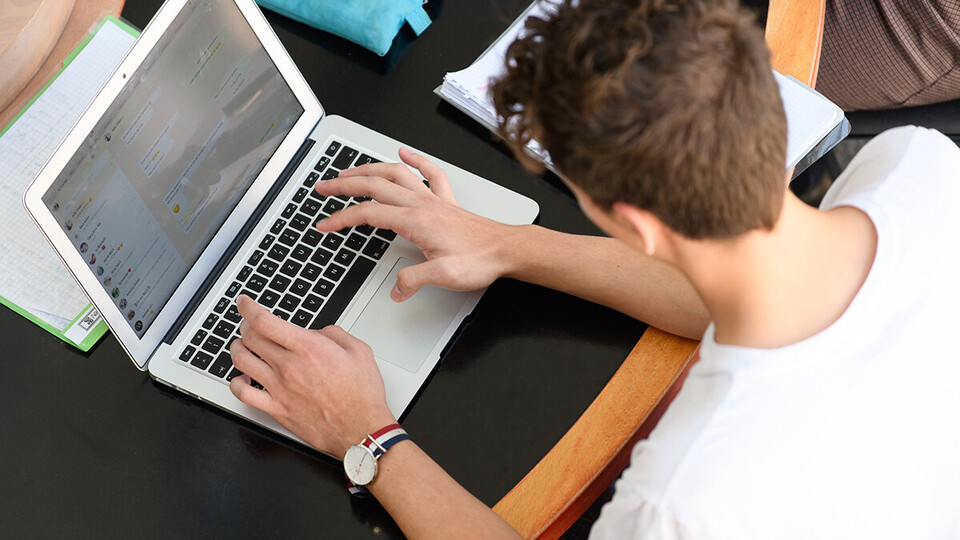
188	182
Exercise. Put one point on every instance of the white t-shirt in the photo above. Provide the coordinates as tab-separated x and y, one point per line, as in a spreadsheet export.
852	433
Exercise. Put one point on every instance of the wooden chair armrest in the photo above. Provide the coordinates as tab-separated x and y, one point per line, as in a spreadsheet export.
794	34
597	448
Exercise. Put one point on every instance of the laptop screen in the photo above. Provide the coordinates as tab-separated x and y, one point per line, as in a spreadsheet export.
171	157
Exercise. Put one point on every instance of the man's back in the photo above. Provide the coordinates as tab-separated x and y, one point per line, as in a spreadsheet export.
850	433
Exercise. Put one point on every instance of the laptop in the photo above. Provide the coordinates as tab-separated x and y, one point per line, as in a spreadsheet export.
188	181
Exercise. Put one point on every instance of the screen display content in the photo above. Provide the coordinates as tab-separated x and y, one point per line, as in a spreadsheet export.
159	174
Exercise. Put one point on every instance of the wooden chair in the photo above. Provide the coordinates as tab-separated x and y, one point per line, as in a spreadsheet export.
597	448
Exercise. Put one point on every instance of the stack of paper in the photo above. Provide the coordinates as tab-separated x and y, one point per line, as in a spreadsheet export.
33	280
811	118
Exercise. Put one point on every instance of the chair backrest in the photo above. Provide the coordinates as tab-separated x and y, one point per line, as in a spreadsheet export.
597	448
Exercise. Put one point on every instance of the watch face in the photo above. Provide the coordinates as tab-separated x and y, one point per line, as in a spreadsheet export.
360	465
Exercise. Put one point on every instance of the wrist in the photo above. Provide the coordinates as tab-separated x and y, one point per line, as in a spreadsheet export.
512	250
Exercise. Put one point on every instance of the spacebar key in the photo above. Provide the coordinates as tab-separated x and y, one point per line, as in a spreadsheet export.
345	292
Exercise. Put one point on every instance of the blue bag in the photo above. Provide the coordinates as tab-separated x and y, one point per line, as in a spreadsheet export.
370	23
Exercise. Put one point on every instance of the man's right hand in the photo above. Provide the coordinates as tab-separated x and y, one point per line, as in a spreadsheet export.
464	251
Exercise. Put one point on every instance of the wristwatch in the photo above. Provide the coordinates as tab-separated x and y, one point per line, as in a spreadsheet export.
360	461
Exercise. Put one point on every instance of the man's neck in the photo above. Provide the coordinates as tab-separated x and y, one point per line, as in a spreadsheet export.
769	289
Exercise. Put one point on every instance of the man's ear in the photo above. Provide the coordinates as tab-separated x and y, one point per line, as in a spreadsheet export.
647	227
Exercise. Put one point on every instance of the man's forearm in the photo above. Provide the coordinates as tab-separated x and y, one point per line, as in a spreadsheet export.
610	273
427	503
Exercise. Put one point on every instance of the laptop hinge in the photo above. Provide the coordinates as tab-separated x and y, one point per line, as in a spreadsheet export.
245	231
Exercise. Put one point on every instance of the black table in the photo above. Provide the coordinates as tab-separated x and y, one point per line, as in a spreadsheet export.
91	446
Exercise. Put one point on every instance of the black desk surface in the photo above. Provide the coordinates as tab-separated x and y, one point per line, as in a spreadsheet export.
91	446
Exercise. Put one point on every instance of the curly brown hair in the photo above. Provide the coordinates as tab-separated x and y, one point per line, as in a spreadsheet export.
669	105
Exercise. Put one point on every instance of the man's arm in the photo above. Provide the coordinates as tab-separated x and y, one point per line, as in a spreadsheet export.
325	387
467	252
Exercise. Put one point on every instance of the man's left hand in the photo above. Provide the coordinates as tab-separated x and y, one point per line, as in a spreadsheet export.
322	385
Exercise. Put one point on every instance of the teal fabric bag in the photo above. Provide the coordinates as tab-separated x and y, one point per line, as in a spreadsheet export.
370	23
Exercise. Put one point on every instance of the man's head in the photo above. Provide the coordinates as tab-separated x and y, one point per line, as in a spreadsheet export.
666	105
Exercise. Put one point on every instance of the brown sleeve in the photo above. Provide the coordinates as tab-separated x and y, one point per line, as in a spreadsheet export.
880	54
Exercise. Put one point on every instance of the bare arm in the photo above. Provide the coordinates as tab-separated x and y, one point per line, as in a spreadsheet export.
325	387
467	252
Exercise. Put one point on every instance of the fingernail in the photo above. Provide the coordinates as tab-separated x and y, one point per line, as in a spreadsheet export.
395	294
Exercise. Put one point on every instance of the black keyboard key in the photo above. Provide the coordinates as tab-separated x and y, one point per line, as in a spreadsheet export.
312	303
332	149
364	159
222	365
187	353
300	222
345	158
224	329
202	360
257	282
334	272
221	305
323	287
300	287
311	179
277	227
333	205
290	268
364	229
300	194
288	211
301	252
233	289
256	385
255	258
310	272
198	337
269	298
248	292
232	314
330	174
267	240
348	288
268	267
376	248
211	320
355	242
316	196
332	241
345	257
289	237
282	314
280	283
234	373
322	256
310	207
278	253
301	318
244	274
289	302
312	237
213	345
322	164
386	233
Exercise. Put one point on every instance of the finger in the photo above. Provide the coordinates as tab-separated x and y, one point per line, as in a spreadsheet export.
412	278
342	338
397	173
247	362
382	216
258	344
439	183
261	399
265	323
375	187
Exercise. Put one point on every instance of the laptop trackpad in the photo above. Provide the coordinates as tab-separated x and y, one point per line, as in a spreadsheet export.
405	333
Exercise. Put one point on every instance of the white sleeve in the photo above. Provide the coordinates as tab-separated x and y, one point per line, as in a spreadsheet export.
631	517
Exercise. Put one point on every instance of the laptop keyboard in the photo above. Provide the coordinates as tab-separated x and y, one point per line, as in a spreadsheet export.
301	275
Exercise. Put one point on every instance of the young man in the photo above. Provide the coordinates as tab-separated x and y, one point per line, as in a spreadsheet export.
825	404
